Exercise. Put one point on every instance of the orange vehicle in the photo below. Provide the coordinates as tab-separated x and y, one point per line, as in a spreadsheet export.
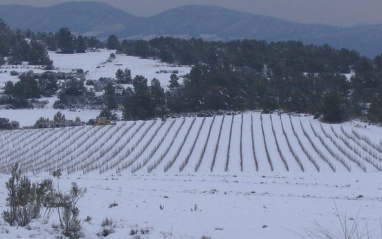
103	121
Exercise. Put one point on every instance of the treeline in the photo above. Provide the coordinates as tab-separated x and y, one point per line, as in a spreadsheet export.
250	74
17	48
26	46
237	75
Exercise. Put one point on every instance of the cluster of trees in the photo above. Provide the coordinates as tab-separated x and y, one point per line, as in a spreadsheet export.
26	46
17	48
250	74
8	125
30	86
59	120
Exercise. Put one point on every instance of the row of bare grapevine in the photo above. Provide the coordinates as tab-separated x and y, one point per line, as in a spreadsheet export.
115	163
265	144
295	155
304	149
105	166
253	145
368	141
330	150
217	144
144	147
158	161
48	157
22	146
34	146
47	149
175	156
343	151
355	150
185	162
103	155
318	151
205	146
278	146
81	152
241	143
229	145
92	155
12	146
153	151
369	150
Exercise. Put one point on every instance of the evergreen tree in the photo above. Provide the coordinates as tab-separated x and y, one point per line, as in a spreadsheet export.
9	87
123	77
109	94
80	44
174	81
20	53
51	42
112	42
38	55
375	110
2	61
108	114
27	87
157	93
7	124
65	41
93	42
6	39
139	105
59	119
333	109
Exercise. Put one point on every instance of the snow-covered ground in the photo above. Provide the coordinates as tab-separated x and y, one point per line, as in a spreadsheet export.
250	175
96	66
137	165
224	206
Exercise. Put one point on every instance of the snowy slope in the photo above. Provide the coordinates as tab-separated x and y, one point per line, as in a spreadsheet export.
248	175
96	65
188	145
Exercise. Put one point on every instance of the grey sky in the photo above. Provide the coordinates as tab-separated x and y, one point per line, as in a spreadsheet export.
333	12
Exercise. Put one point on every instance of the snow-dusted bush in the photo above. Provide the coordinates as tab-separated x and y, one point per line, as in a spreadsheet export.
68	212
24	199
107	227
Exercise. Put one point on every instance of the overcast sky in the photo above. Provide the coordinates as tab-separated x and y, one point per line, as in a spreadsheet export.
333	12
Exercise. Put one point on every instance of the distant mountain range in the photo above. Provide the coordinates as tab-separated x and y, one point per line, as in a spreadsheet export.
206	22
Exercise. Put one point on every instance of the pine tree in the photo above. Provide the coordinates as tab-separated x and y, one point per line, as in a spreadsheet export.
375	110
38	55
333	110
109	94
65	41
80	44
112	42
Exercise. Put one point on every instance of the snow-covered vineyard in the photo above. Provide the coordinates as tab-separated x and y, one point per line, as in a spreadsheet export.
249	142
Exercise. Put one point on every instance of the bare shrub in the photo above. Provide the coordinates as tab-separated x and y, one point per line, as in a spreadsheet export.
25	199
114	204
107	227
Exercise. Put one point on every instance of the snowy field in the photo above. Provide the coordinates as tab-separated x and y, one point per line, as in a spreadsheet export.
174	179
96	66
224	206
249	175
249	142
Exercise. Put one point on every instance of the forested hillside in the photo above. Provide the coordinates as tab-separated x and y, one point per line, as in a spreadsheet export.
230	76
210	23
